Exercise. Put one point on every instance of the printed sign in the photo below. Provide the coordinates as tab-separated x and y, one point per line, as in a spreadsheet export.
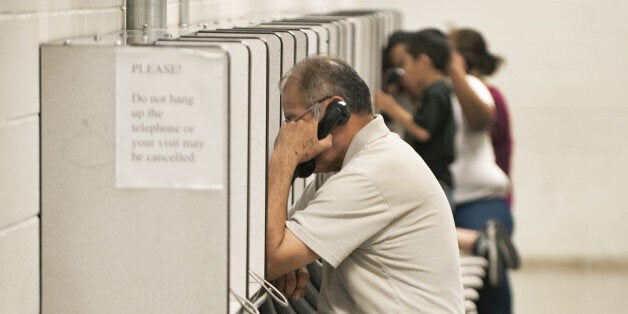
170	118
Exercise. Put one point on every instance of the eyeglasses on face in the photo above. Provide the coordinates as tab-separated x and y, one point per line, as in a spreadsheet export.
315	107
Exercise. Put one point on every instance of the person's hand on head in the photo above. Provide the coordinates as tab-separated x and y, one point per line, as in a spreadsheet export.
457	66
298	140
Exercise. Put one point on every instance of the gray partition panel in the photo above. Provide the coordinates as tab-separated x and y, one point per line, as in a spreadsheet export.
348	27
322	33
289	55
273	40
376	56
334	38
300	38
111	250
312	35
345	35
385	23
239	90
378	25
371	62
288	45
257	153
274	75
359	44
297	187
312	41
334	32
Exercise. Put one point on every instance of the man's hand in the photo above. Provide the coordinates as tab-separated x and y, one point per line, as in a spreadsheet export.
293	283
297	141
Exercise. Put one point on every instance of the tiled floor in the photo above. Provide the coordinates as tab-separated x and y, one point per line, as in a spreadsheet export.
554	290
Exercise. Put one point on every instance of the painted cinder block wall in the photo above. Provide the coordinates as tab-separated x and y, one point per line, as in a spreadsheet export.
565	80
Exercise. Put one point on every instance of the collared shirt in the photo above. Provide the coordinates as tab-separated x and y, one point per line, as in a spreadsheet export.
384	230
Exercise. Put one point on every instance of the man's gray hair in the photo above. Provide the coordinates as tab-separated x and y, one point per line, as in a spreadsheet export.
322	76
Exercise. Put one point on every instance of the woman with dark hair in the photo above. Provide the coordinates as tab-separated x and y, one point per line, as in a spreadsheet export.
482	64
482	192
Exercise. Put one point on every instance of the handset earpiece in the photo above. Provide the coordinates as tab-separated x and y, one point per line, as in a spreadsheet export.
337	113
392	76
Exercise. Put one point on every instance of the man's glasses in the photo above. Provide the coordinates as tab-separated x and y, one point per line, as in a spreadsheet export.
315	108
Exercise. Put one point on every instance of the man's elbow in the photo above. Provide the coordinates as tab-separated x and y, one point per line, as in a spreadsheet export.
273	267
288	255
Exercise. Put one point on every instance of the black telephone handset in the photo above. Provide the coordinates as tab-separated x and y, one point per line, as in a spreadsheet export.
337	113
392	76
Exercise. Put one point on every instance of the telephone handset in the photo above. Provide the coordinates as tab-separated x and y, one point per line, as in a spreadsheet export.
337	113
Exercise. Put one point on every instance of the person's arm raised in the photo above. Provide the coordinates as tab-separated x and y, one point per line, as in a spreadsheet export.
477	113
296	142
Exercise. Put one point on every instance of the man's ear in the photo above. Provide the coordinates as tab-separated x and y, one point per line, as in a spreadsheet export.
336	98
329	101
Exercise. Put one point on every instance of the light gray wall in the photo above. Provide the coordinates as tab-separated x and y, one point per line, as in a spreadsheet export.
23	25
566	82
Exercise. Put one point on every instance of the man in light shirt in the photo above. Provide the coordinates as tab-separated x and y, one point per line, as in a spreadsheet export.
375	214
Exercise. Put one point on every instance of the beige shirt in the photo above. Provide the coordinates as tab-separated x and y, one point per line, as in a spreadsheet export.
384	229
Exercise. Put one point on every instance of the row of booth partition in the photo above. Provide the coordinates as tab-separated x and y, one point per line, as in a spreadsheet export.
155	146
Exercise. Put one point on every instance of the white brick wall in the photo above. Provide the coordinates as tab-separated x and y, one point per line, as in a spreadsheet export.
23	25
19	166
19	66
12	6
19	268
19	158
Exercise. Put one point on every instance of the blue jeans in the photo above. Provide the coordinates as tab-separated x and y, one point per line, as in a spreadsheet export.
474	215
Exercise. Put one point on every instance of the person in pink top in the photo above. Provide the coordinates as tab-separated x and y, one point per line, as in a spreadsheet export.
501	136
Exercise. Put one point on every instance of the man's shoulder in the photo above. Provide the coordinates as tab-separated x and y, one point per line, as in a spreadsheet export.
386	157
386	147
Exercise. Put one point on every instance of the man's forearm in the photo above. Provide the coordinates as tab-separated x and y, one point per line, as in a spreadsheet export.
407	121
280	172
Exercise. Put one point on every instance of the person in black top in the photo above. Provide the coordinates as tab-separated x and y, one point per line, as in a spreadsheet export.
429	127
